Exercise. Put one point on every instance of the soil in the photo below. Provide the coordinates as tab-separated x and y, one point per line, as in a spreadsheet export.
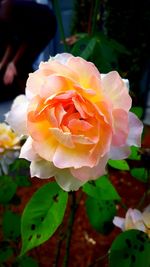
87	245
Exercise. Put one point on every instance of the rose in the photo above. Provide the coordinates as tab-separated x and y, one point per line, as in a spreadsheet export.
75	119
134	219
8	139
9	145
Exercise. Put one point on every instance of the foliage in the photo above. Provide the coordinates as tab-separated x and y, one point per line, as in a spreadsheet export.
11	221
45	210
130	248
100	49
40	222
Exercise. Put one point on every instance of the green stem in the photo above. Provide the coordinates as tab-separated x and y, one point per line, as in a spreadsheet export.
96	9
90	19
142	200
98	260
70	228
62	236
60	23
123	206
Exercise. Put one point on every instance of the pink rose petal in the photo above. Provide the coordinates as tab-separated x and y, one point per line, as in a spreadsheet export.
87	173
116	90
135	130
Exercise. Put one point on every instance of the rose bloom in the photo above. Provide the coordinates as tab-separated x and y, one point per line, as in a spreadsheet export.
75	119
8	139
135	219
9	145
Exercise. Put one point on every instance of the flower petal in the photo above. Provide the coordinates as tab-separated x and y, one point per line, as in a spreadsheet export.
46	149
135	130
65	157
63	138
55	84
84	70
119	152
116	90
133	220
87	173
42	169
17	116
34	83
66	181
126	81
27	150
120	127
119	222
146	216
56	67
135	214
61	58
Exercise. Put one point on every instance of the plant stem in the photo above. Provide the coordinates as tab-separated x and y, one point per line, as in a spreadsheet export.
90	18
95	16
60	23
123	206
98	259
70	228
62	236
142	200
57	256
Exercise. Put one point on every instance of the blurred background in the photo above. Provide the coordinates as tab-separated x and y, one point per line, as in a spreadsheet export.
112	34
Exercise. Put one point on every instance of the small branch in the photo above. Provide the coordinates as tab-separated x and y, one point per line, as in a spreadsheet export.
70	228
98	260
123	206
62	236
90	19
146	193
60	23
141	202
96	9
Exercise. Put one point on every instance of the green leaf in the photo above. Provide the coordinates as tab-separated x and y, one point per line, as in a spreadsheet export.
101	189
80	45
26	261
101	214
42	215
138	111
140	174
121	165
84	47
5	252
88	51
7	189
19	169
101	50
23	181
20	166
106	57
134	153
130	249
108	52
11	225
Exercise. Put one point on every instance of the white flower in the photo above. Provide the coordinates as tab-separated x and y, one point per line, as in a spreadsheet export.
135	219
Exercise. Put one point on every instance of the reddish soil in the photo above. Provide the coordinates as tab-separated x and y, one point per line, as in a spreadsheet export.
86	245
